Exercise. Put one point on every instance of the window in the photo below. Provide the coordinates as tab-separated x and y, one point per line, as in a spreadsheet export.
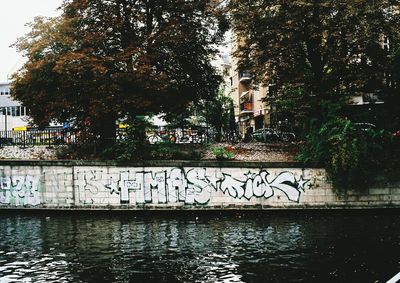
272	90
4	90
386	43
15	111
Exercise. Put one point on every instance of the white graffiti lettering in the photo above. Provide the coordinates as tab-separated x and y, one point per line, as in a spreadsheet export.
196	185
20	190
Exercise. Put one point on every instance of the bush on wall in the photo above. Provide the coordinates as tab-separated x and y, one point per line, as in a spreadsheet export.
349	152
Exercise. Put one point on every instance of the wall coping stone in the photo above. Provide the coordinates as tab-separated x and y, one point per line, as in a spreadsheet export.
155	163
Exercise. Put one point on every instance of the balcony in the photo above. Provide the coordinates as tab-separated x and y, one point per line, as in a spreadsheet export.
245	95
365	98
246	107
371	98
245	77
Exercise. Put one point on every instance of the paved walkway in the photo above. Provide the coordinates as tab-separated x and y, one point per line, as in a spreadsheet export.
243	151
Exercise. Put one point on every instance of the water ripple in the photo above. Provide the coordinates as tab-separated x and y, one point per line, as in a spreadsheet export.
84	248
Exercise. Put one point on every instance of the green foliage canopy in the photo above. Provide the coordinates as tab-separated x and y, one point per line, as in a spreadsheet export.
102	60
351	154
327	49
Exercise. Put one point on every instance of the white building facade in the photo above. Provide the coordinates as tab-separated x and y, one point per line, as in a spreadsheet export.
13	115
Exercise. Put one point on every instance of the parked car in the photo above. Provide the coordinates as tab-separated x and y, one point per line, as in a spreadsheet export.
271	135
287	136
364	126
265	135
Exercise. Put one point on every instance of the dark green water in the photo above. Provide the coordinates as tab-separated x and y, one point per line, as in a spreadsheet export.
250	247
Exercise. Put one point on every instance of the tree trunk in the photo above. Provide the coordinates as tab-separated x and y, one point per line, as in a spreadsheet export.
106	129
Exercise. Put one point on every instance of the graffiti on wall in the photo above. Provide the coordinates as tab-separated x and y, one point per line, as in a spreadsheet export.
20	190
89	183
193	185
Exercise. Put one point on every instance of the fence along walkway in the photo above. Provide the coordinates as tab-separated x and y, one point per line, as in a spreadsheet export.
179	135
59	136
47	137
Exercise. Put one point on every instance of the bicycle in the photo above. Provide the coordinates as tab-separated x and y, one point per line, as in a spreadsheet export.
271	135
161	138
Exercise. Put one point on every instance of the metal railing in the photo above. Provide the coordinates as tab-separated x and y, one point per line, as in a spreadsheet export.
48	137
59	136
196	135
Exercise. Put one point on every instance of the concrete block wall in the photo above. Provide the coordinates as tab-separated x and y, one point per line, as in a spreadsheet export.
178	185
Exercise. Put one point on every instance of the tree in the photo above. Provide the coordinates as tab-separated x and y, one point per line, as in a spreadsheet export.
103	60
316	52
218	113
391	94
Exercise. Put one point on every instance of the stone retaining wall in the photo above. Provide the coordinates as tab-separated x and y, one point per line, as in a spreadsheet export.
178	185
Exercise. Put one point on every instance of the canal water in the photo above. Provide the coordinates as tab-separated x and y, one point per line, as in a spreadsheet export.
199	247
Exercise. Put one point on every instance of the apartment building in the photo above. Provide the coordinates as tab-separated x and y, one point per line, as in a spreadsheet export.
251	110
254	105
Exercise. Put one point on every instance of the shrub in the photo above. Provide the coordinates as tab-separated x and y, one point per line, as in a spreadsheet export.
222	153
349	154
168	151
133	144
